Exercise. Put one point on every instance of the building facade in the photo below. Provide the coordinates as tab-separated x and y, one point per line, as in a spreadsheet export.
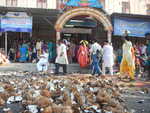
120	6
128	6
47	4
110	6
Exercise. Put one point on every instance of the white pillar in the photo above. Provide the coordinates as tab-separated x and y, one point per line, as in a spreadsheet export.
31	35
57	35
6	43
109	36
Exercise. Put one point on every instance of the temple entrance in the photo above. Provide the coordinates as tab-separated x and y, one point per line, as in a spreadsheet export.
83	14
84	28
83	23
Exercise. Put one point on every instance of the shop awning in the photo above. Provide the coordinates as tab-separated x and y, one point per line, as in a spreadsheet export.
43	19
136	25
16	22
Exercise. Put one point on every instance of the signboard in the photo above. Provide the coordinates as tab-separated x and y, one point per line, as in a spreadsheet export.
82	23
135	27
84	3
16	22
77	30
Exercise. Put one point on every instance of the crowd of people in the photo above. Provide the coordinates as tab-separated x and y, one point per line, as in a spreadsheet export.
142	58
29	51
136	61
131	59
88	54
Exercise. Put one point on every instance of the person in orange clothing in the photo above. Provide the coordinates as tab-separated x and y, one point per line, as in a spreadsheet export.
128	61
83	53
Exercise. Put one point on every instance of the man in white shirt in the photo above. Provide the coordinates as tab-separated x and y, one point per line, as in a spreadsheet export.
95	55
108	58
61	59
94	47
43	63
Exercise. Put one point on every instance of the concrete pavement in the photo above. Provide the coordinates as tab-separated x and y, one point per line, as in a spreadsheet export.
31	67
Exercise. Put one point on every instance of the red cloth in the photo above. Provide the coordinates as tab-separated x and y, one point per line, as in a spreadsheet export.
83	58
18	54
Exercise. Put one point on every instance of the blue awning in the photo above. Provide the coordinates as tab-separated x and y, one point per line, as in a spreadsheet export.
16	22
136	27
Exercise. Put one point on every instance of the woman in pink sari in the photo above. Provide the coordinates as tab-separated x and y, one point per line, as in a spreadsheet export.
83	53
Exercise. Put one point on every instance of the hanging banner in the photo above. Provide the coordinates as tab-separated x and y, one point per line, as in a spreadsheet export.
16	22
135	27
84	3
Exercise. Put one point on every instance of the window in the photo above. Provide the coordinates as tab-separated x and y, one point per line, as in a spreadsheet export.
11	3
61	4
148	9
41	3
125	7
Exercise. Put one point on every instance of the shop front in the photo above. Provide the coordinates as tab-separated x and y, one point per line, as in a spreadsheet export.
137	26
36	24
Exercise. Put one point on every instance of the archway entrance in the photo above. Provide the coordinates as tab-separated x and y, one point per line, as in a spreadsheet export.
86	11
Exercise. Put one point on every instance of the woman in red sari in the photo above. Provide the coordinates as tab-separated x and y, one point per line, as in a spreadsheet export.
83	53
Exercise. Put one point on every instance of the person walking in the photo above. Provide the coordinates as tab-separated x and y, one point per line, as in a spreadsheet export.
95	52
108	58
61	59
128	61
82	54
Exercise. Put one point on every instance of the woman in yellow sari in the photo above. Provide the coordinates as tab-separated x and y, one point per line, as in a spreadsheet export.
127	65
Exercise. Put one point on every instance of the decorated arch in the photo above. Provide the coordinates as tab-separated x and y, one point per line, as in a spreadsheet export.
97	14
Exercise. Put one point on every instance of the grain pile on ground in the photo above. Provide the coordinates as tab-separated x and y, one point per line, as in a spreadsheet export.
34	93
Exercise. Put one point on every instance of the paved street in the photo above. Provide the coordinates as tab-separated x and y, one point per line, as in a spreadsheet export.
71	68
